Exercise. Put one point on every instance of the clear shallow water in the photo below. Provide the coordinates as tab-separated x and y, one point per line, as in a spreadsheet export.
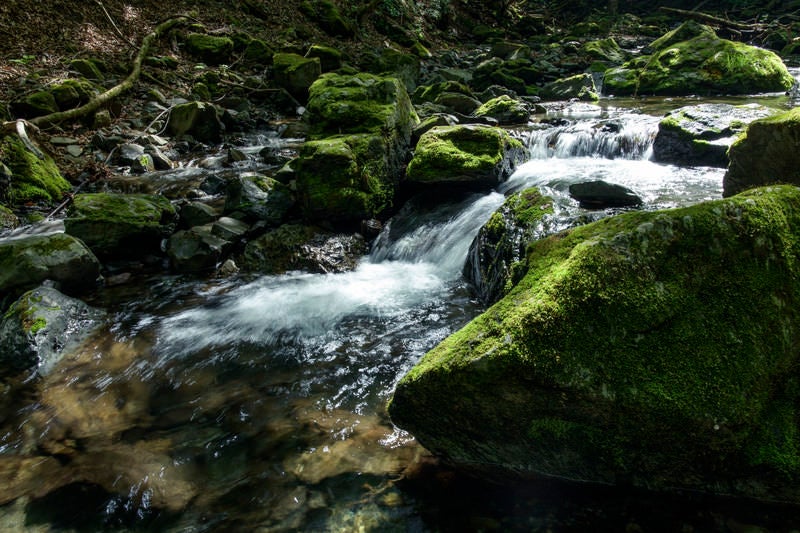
258	404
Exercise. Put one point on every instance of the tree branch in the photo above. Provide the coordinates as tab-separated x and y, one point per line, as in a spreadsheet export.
99	101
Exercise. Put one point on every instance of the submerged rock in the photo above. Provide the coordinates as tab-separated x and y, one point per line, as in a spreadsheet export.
478	155
766	153
494	257
651	348
693	60
40	326
28	261
701	134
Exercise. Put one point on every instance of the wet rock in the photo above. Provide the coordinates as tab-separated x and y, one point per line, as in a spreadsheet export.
295	247
622	355
198	119
28	261
693	60
160	160
492	264
464	154
8	220
196	249
766	153
40	326
600	194
296	73
256	197
702	134
120	225
505	110
197	214
229	229
133	155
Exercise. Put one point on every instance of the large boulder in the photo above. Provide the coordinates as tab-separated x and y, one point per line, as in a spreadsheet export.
199	119
693	60
40	327
701	134
766	153
296	73
360	129
122	226
26	262
494	258
477	155
652	348
34	174
213	49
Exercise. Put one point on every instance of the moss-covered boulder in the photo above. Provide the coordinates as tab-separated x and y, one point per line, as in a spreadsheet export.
580	86
652	348
429	93
73	92
493	263
308	248
34	105
121	226
701	134
395	64
40	327
699	63
212	49
88	68
515	74
505	110
345	178
329	58
296	73
476	155
766	153
27	262
34	175
257	198
328	17
605	50
201	120
360	129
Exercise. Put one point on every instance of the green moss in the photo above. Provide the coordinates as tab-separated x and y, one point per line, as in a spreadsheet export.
505	109
429	93
330	58
210	48
32	178
460	153
604	50
664	337
38	324
73	92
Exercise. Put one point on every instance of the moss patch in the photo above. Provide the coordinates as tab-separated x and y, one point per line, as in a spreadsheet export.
32	178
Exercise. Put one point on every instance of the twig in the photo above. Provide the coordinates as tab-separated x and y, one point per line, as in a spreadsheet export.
111	20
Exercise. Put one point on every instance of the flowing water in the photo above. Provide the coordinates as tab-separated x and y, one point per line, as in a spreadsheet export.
258	404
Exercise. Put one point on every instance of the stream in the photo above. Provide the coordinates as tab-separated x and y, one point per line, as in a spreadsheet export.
257	403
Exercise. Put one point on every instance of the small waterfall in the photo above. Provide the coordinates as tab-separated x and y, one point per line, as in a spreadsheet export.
624	137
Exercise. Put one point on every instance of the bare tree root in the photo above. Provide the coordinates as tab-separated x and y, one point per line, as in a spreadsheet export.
102	99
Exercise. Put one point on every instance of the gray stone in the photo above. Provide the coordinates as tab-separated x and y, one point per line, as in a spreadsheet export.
600	194
229	229
41	326
258	197
198	119
197	214
196	249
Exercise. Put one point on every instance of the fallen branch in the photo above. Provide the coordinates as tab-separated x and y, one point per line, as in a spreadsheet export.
99	101
705	18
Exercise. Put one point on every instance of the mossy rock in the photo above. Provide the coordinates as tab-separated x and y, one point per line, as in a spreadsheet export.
28	261
296	73
493	263
701	134
580	86
429	93
766	153
606	50
258	52
73	92
330	58
258	198
651	348
40	327
121	226
477	155
201	120
328	17
344	178
505	110
34	105
8	220
360	103
495	71
212	49
87	68
32	179
703	64
393	63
